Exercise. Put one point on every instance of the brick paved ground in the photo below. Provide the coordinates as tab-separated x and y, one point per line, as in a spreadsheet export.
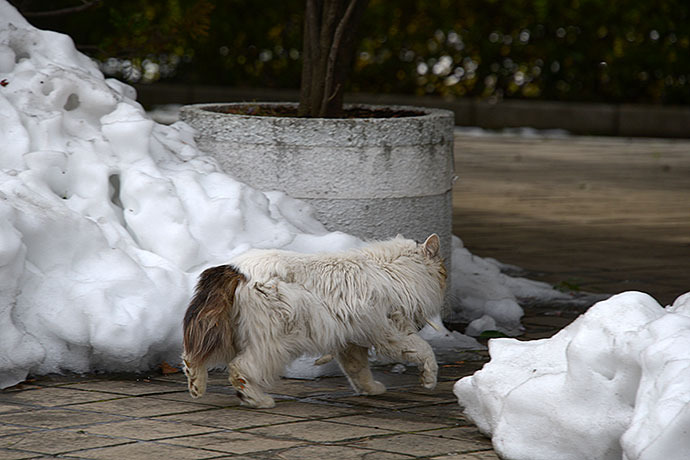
152	417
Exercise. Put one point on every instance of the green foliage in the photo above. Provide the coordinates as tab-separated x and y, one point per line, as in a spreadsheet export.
249	43
592	50
579	50
569	285
134	39
491	334
145	27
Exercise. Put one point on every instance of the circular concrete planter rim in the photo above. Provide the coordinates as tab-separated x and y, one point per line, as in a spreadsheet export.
432	126
420	112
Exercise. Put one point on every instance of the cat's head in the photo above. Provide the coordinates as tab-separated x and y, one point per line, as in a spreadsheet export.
430	250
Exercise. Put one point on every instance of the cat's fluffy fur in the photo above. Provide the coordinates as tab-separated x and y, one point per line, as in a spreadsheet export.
267	307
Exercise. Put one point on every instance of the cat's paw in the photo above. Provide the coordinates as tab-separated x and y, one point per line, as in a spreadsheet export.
428	380
256	400
429	385
376	388
193	390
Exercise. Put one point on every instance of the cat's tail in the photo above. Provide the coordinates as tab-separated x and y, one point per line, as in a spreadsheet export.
207	326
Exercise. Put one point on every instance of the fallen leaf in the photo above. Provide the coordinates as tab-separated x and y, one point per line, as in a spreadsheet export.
167	369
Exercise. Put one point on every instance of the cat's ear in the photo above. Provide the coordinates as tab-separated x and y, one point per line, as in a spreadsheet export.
432	246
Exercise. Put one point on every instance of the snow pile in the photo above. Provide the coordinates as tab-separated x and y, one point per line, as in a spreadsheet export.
611	385
490	299
107	218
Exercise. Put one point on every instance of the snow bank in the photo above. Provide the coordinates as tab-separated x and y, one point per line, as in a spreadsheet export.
489	299
107	218
611	385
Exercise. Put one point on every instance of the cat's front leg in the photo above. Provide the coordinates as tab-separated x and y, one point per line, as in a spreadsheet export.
418	350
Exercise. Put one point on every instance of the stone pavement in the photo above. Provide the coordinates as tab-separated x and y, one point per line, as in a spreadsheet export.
597	214
152	417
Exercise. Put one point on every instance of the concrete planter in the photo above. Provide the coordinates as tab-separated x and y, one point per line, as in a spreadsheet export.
370	177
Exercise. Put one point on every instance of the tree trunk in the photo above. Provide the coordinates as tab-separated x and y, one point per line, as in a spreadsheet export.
330	29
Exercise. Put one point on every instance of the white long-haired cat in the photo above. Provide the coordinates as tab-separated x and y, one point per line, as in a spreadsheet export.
268	307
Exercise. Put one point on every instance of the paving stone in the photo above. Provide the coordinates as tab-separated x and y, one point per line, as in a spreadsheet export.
393	381
317	431
337	452
178	378
128	387
211	398
443	393
233	442
393	399
395	421
147	429
311	388
465	364
54	442
47	381
143	450
482	455
6	407
229	418
421	445
448	411
55	396
55	418
141	406
6	430
7	454
462	433
313	409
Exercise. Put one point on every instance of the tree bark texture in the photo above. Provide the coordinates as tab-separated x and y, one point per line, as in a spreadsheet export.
330	30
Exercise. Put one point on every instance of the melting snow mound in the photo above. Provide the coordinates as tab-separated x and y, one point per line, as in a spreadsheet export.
611	385
106	218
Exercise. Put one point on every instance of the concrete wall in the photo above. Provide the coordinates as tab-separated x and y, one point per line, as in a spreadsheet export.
578	118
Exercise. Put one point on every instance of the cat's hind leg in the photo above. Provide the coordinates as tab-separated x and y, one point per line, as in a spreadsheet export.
197	375
354	360
245	378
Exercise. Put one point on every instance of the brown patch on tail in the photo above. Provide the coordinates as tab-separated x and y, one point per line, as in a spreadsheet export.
206	323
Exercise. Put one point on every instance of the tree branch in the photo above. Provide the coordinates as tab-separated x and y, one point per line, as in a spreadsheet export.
330	28
329	93
309	56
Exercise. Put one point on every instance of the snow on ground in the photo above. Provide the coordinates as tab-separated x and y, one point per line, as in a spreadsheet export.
475	131
613	384
107	218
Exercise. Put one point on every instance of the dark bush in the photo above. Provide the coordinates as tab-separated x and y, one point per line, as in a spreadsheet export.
578	50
